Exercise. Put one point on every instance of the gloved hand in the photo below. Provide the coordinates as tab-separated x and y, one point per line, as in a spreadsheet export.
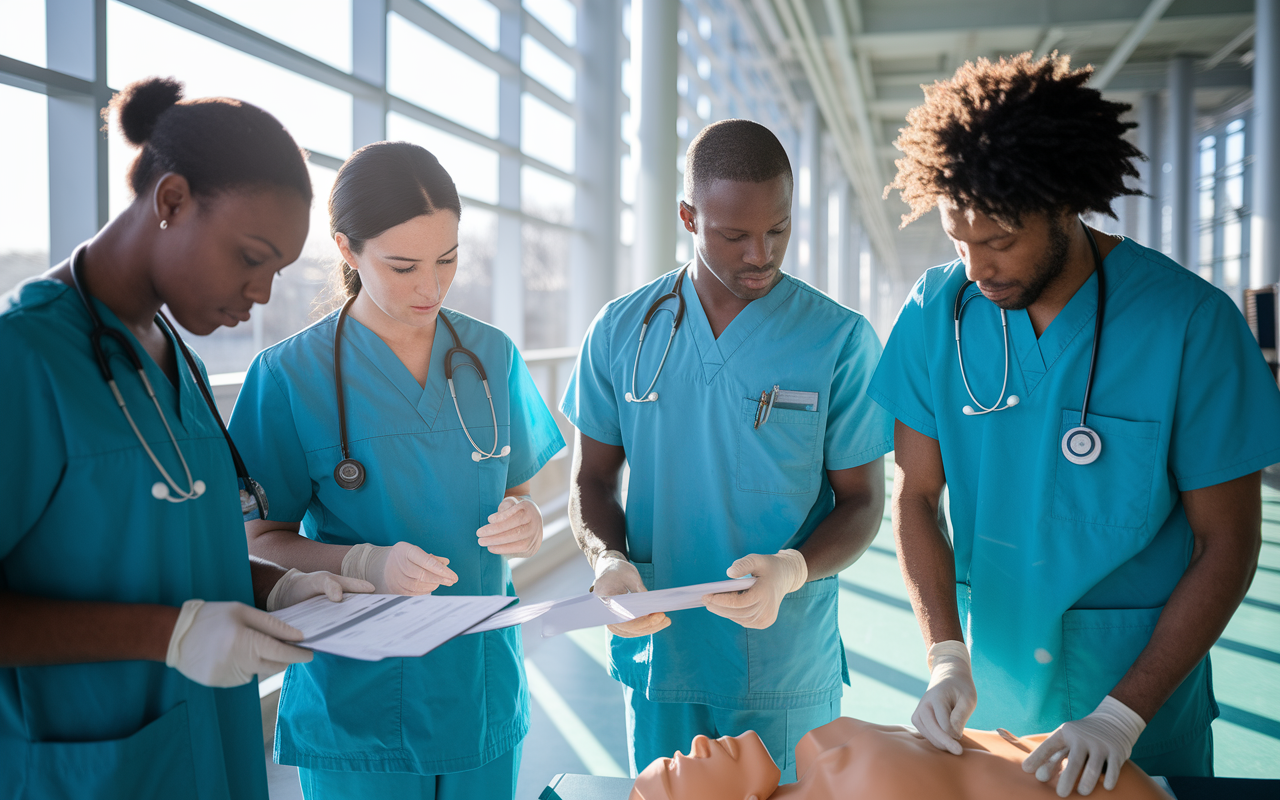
226	644
757	607
297	586
1106	737
950	699
402	568
616	575
515	529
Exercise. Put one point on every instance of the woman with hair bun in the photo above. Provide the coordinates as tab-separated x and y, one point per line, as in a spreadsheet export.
126	590
411	471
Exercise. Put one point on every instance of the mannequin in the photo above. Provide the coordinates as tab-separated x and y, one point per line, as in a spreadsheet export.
849	758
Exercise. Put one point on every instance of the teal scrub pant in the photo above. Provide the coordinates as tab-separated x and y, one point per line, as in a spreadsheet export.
655	730
496	780
1192	760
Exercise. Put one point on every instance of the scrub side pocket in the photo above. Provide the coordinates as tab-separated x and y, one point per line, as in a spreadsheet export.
800	653
156	761
777	457
1116	489
1098	648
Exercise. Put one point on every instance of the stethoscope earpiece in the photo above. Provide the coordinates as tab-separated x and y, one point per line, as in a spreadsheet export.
160	491
1012	401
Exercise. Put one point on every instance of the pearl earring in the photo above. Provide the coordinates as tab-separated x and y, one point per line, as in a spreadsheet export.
164	223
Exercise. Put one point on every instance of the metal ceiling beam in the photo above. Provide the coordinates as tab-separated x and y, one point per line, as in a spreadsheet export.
1129	43
944	15
1229	48
795	18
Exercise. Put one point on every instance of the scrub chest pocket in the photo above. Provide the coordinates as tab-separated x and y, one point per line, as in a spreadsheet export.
777	457
1116	489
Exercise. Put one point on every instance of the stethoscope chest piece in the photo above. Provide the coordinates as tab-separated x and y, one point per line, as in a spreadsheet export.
1081	445
349	474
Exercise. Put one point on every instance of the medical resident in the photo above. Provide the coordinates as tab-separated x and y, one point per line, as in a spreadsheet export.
126	592
405	474
753	450
1098	415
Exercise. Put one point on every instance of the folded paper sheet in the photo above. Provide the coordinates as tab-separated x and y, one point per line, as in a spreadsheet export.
371	627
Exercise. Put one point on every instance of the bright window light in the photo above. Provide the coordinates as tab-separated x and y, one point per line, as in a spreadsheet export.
319	28
473	167
416	65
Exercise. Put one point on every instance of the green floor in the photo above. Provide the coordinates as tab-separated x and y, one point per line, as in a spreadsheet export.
577	710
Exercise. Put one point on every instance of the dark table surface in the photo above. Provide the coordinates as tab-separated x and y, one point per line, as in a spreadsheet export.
590	787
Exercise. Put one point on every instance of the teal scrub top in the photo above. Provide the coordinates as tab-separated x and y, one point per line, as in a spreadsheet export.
1062	569
465	703
81	524
707	488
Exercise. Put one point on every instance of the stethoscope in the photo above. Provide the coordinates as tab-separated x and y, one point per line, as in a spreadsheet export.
1081	444
253	500
350	473
649	394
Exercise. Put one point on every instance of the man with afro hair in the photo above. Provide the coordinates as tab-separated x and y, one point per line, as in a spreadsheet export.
1099	416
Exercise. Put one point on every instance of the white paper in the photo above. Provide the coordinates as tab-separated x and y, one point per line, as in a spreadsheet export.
371	627
516	615
631	606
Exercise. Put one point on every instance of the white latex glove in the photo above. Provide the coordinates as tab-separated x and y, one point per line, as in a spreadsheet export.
757	607
297	586
950	699
616	575
402	568
515	529
1105	737
226	644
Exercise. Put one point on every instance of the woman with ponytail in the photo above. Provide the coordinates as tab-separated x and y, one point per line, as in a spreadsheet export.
129	636
391	477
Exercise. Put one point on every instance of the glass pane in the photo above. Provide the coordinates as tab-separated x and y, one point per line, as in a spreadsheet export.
303	293
627	184
1234	188
472	290
476	17
1235	147
547	68
473	167
545	133
546	196
545	268
24	215
1231	233
140	45
319	28
560	17
22	34
470	94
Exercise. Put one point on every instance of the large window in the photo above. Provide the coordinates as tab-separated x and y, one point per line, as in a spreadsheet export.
1223	168
490	89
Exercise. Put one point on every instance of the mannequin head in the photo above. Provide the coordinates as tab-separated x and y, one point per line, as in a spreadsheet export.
737	767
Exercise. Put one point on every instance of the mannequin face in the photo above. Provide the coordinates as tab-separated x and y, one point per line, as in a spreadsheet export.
729	767
407	270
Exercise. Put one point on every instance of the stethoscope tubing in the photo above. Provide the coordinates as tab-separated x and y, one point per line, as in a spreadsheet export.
649	395
350	473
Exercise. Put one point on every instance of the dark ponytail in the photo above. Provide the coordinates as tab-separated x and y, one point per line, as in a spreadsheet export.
383	185
216	143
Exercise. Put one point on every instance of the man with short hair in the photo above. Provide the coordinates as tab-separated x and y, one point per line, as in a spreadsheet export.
1099	416
753	450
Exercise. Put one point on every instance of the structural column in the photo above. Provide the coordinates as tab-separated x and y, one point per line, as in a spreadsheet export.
78	196
508	277
593	254
1264	264
1149	142
1180	157
810	199
654	59
369	63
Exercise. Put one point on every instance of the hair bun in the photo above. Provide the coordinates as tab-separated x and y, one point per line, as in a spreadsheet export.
139	105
